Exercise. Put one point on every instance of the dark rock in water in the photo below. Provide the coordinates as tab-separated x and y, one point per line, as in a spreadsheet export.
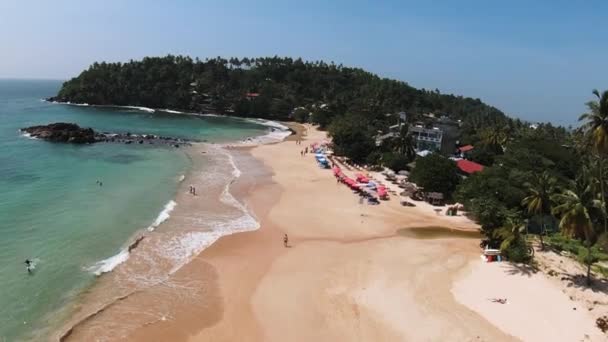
62	132
72	133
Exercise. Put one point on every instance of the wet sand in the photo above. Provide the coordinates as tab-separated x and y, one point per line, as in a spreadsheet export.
350	273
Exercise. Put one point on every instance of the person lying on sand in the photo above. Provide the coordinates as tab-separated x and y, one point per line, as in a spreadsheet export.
499	300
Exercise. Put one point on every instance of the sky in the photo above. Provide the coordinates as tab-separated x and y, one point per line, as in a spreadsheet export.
536	60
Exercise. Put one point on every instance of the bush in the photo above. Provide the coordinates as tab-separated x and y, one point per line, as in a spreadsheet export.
301	115
489	212
517	251
352	138
373	158
602	242
395	161
436	173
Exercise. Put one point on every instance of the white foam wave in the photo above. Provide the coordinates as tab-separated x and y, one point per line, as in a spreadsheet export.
181	178
236	172
270	123
110	263
172	111
28	135
163	215
144	109
182	248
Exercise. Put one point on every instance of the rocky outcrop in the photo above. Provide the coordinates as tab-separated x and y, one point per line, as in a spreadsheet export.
62	132
72	133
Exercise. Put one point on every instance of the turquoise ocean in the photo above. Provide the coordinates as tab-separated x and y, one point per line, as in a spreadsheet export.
53	211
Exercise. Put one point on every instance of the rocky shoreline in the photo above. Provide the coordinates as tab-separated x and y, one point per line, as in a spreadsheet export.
71	133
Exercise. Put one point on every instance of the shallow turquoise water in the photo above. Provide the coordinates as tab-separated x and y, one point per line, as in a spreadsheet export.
52	209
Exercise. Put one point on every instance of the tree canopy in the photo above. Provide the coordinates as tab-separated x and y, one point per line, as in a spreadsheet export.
267	87
436	173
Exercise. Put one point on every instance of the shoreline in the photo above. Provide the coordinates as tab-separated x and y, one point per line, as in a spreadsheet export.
264	244
273	124
349	274
103	269
161	231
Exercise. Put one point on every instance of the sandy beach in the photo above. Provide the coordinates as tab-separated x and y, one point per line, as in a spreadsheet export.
349	273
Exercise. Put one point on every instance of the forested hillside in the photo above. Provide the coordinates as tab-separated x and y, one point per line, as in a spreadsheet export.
261	87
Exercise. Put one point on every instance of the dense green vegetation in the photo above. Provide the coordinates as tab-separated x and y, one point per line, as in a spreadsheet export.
542	177
435	173
278	85
538	179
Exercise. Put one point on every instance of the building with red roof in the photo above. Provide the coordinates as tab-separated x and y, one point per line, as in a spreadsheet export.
469	167
465	148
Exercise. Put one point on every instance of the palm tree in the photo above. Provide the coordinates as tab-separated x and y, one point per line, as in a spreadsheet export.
596	127
575	214
510	232
496	137
577	207
538	202
406	144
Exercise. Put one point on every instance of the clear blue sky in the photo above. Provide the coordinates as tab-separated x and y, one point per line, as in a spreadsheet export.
538	60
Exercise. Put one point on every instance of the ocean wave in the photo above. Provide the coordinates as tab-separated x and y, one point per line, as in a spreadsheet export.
163	215
27	135
181	178
172	111
236	172
144	109
269	123
107	265
183	247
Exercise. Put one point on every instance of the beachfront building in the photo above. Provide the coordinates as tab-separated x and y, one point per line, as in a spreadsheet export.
464	151
426	138
468	167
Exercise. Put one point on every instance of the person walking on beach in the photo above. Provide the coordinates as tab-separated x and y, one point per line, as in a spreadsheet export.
194	191
285	241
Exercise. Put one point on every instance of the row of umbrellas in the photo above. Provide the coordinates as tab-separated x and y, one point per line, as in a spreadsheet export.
354	184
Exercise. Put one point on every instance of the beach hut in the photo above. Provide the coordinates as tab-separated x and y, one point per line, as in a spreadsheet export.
435	198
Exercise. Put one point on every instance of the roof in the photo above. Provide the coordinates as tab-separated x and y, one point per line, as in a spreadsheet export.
465	148
423	153
435	195
468	166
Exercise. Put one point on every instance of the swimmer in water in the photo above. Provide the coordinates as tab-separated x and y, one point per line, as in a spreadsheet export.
29	265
